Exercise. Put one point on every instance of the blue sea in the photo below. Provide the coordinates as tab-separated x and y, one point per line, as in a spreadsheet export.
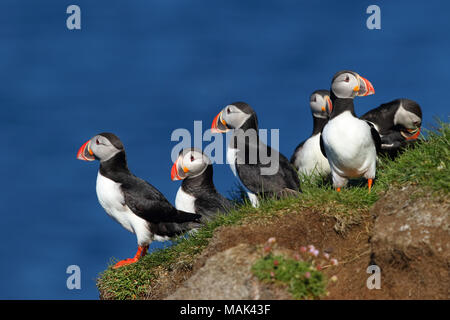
142	69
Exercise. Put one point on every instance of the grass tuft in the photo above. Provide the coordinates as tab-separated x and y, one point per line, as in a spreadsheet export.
301	278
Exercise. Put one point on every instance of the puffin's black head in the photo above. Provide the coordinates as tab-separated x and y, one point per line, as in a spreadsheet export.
102	147
349	84
320	103
409	118
191	162
234	116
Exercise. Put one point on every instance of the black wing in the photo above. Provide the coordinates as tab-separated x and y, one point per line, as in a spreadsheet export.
322	147
170	229
383	115
251	174
375	136
148	203
210	206
290	173
392	141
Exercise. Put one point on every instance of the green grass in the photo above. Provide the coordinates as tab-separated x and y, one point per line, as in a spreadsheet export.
426	165
303	281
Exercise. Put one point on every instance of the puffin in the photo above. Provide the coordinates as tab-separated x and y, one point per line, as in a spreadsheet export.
349	143
308	158
197	193
262	171
398	123
132	202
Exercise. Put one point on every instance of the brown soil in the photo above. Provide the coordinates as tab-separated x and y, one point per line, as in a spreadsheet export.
291	231
354	250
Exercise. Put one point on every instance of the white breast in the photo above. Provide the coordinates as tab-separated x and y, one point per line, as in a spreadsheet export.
349	145
184	201
309	159
112	200
231	159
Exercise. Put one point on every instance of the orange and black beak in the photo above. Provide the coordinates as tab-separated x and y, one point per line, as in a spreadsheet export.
411	134
219	125
85	153
365	88
178	173
330	104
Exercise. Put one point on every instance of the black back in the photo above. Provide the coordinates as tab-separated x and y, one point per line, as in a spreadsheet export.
383	116
250	174
392	141
140	196
208	202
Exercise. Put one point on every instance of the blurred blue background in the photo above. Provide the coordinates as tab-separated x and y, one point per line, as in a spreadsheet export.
143	68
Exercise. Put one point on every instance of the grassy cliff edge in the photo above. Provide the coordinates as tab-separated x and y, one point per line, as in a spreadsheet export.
424	167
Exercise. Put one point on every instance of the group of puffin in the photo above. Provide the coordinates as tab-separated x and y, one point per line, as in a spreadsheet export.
341	144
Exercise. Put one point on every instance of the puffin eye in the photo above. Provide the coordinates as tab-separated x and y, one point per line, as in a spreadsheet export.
347	79
228	110
192	158
97	142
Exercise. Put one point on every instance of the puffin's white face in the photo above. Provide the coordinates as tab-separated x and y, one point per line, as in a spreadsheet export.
407	119
409	122
321	105
99	148
231	117
190	163
349	84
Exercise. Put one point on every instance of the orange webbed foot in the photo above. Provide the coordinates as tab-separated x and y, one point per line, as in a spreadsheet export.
139	254
125	262
369	184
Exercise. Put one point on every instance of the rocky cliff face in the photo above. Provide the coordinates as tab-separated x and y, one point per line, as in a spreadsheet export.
411	244
406	234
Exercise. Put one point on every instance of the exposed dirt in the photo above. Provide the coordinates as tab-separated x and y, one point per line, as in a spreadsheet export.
222	271
411	244
291	231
